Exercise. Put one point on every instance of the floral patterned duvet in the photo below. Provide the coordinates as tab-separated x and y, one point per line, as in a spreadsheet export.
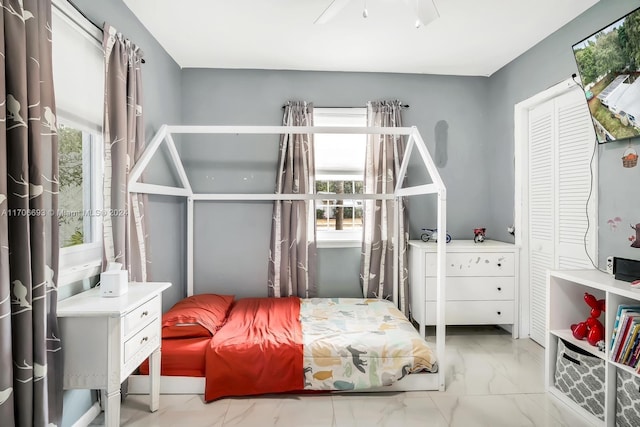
353	344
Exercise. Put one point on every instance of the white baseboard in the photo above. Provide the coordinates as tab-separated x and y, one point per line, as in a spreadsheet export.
88	416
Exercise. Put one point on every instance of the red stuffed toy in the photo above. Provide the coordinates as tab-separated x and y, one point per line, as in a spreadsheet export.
592	329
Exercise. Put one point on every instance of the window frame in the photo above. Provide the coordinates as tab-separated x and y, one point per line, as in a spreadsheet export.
84	261
328	238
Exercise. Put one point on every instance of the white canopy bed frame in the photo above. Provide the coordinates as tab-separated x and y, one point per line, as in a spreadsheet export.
192	385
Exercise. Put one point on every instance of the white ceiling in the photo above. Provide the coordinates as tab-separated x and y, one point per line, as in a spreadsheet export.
471	37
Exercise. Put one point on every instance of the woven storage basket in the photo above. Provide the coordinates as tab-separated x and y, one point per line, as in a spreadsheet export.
580	377
627	399
630	158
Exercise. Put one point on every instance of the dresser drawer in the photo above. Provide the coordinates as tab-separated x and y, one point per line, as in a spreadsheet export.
141	315
473	264
149	334
473	312
474	288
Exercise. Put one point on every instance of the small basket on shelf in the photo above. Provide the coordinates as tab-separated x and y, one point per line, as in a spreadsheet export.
630	158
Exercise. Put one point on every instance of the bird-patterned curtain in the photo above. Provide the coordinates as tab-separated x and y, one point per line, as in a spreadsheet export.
30	349
292	253
125	235
384	154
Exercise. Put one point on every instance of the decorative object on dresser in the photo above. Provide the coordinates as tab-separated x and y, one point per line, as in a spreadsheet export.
481	283
479	234
431	235
106	339
601	395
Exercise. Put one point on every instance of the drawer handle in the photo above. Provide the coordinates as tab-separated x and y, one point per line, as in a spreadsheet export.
499	313
499	288
144	339
499	264
144	313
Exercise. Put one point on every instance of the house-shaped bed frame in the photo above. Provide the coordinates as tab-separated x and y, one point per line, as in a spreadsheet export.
189	385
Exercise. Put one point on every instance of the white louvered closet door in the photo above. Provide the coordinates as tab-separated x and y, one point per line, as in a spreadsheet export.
541	205
561	142
575	147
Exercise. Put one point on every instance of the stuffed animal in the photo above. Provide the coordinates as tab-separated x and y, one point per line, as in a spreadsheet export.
479	234
591	328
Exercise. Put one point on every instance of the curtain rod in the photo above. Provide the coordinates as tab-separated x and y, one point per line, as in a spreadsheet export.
318	106
84	15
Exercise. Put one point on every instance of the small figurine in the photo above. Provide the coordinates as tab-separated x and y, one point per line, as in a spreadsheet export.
635	242
592	328
479	234
431	234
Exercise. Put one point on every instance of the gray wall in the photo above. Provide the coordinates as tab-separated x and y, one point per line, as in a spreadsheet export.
233	238
162	94
619	198
544	65
162	104
339	273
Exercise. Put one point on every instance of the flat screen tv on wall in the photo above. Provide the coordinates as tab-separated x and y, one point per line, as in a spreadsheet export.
609	66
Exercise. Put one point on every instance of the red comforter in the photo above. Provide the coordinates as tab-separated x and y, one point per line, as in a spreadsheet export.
258	350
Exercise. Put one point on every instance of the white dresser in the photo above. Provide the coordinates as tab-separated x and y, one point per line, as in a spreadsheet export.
106	338
481	284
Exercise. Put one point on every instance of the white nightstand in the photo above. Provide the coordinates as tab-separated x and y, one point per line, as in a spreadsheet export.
481	286
105	338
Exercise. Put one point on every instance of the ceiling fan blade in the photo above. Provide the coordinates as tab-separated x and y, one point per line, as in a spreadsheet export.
332	10
425	10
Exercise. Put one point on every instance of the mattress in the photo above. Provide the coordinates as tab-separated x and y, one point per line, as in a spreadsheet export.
181	357
272	345
275	345
356	344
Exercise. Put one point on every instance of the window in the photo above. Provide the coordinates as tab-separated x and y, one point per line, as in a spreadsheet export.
339	170
78	76
80	158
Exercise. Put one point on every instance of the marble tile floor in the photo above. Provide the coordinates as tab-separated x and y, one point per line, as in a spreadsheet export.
492	381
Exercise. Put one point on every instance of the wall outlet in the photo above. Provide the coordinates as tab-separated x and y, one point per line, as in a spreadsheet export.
610	264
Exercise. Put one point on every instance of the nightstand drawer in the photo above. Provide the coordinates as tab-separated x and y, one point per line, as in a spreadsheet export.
474	288
150	334
473	313
473	264
141	315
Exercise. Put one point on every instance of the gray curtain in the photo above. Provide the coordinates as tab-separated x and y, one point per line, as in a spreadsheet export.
30	350
125	235
384	156
292	254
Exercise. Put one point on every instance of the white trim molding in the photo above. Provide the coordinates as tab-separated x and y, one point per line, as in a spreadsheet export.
86	418
72	14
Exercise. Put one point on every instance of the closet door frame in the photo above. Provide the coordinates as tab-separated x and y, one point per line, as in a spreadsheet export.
521	197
